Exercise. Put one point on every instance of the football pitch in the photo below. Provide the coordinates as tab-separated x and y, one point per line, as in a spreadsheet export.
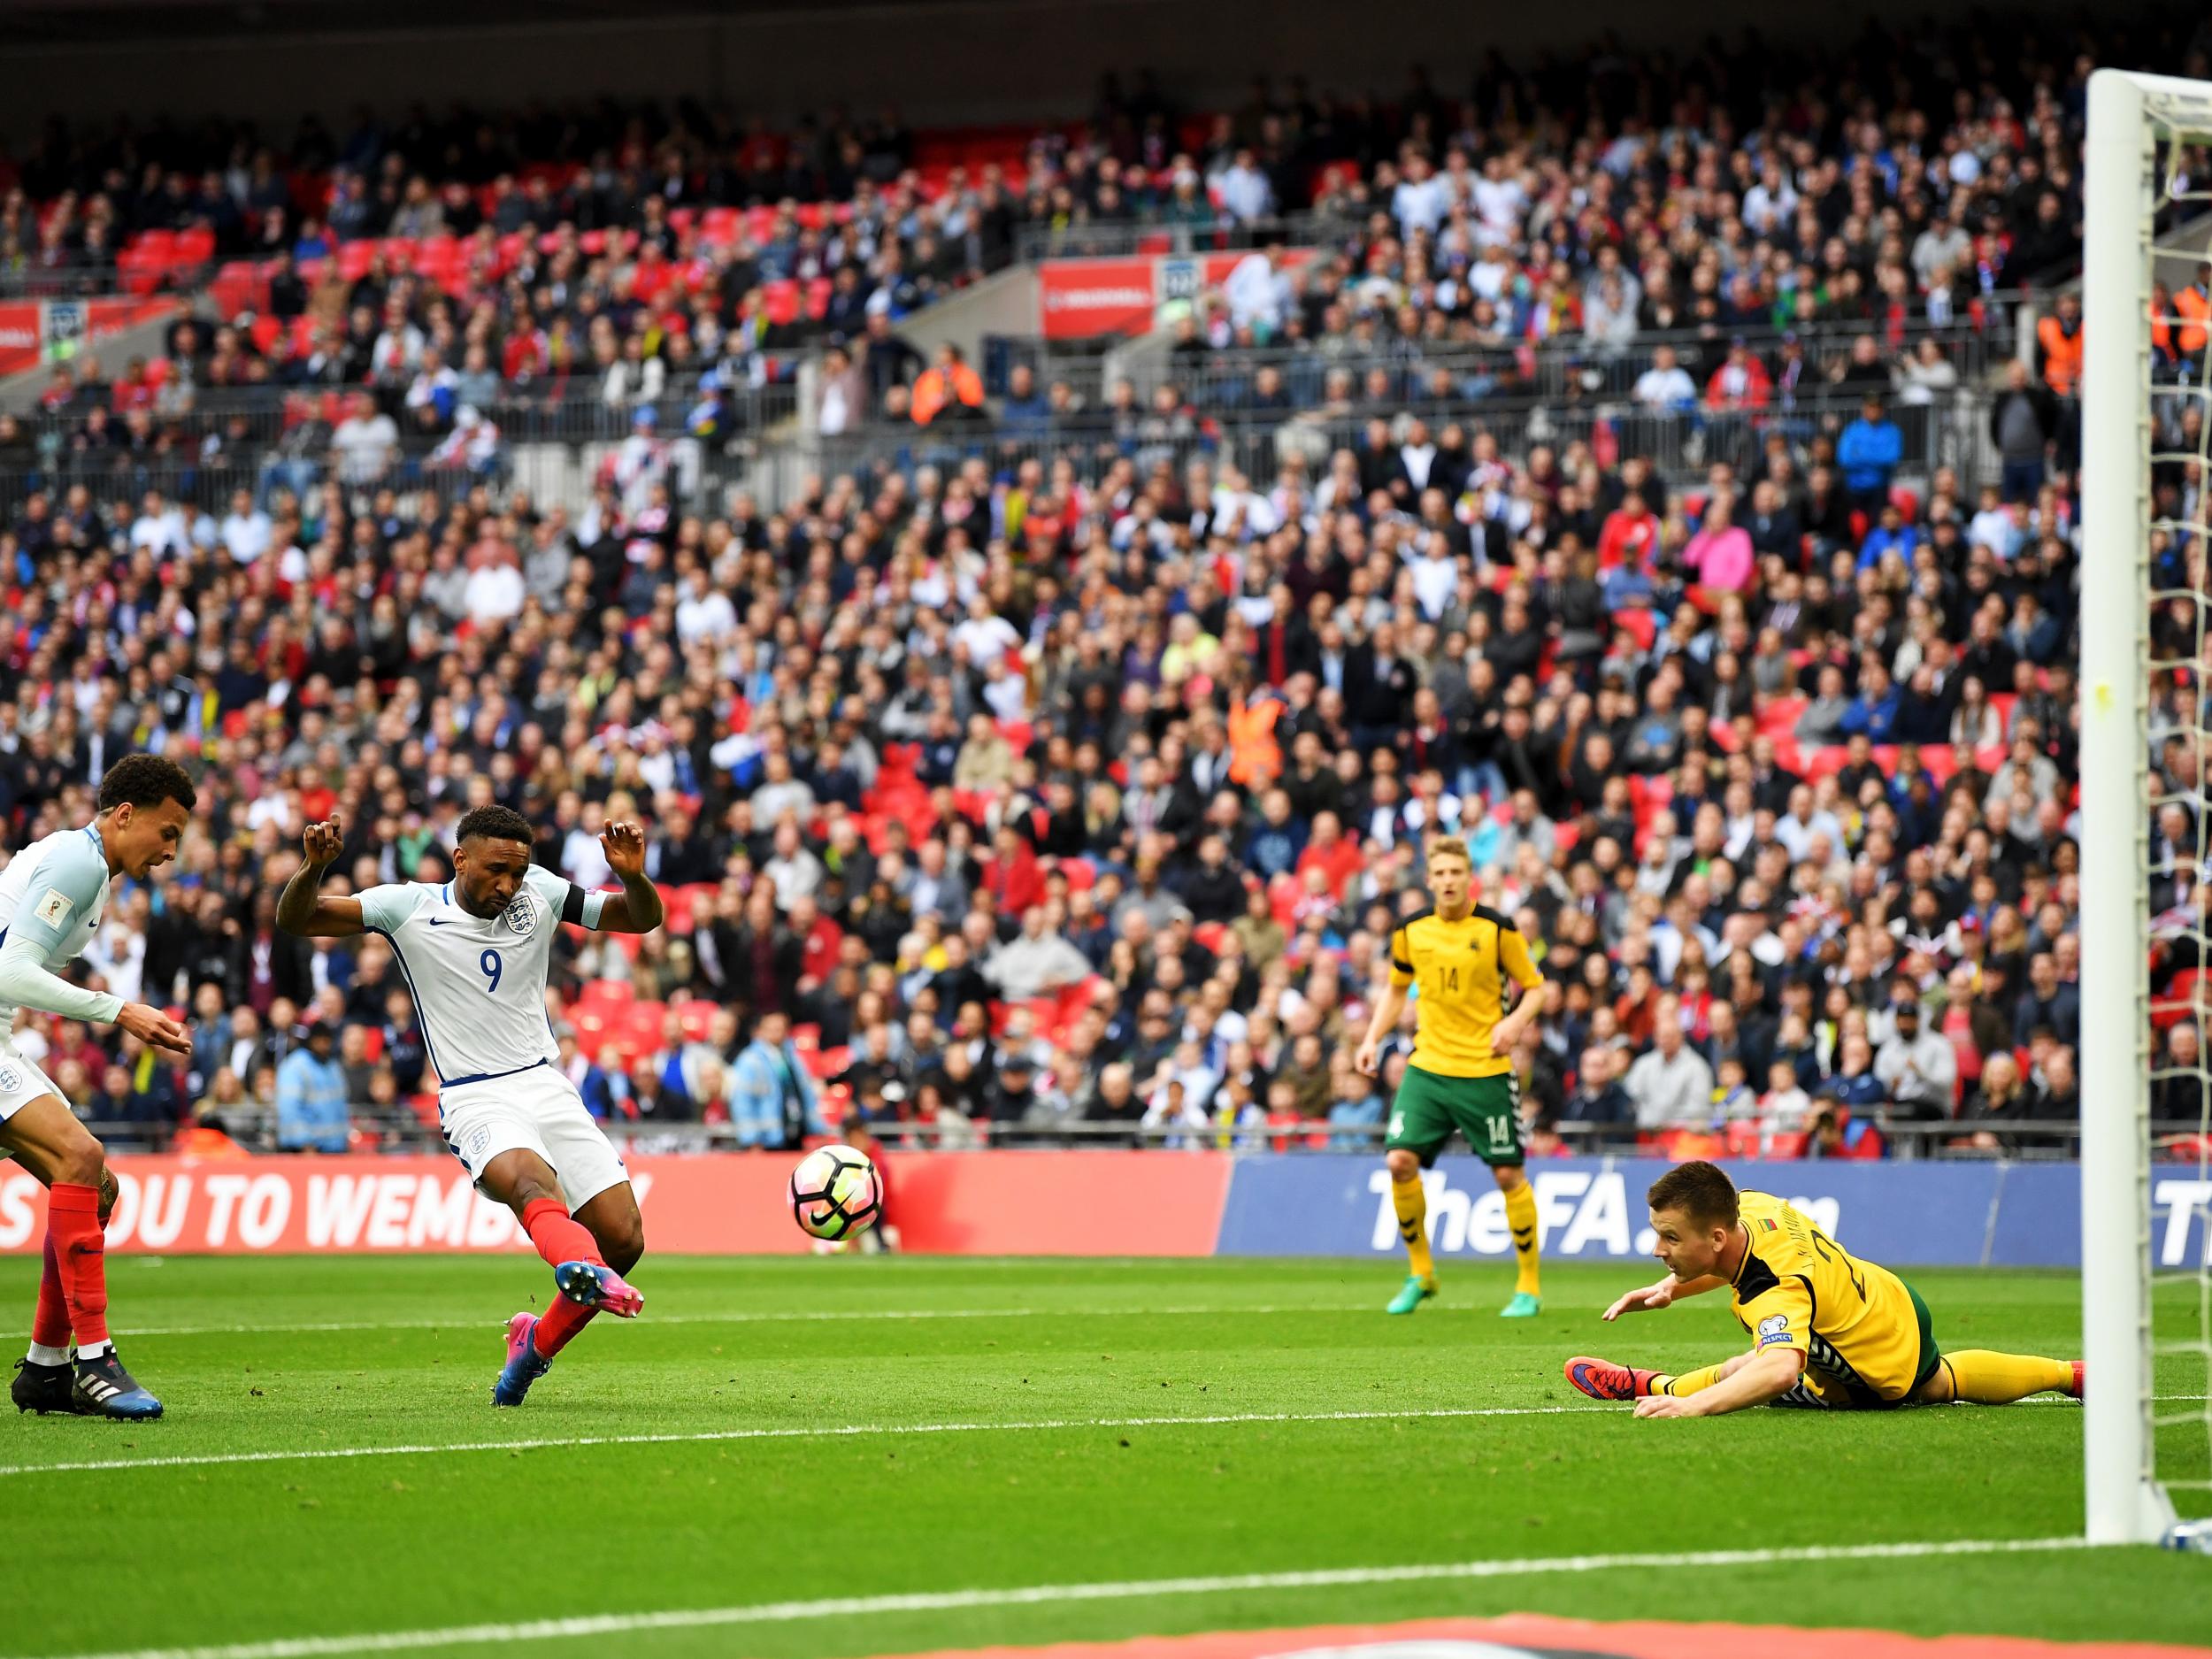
853	1456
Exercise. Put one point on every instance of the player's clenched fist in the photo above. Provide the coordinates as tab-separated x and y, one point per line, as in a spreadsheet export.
323	842
623	844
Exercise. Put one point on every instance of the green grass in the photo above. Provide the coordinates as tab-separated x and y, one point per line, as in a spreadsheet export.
179	1555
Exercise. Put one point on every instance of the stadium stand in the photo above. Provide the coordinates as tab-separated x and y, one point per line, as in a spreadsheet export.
1666	501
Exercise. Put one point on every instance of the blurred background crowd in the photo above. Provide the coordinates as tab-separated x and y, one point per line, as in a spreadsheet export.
1667	482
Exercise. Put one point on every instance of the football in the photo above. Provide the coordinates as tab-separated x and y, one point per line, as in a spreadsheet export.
833	1193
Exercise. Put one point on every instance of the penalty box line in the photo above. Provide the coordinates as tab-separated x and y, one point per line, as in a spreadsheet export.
958	1601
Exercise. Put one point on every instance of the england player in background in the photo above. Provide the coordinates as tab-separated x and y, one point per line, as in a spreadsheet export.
51	896
475	953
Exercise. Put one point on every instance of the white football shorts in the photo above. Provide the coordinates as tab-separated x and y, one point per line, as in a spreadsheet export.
540	1111
21	1082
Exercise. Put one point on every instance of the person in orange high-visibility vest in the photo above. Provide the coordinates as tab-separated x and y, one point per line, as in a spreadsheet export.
2193	306
950	384
1256	752
2058	342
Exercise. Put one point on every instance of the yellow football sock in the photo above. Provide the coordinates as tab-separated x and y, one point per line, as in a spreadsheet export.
1690	1381
1410	1199
1998	1379
1520	1215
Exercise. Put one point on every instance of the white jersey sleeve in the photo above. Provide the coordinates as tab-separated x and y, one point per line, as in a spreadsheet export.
52	895
384	909
567	901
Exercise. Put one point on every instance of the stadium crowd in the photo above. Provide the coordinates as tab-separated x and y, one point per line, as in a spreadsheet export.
674	261
1075	793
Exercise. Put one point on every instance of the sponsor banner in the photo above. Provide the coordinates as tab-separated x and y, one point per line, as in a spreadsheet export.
48	331
1078	298
1083	298
1913	1214
1034	1203
1536	1636
19	337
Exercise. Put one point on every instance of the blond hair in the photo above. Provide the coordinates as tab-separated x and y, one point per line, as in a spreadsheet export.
1450	847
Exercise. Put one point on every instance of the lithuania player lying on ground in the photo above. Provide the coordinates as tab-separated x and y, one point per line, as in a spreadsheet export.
1828	1329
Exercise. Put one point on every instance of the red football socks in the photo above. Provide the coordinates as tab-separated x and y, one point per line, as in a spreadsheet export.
73	1232
559	1323
51	1328
560	1238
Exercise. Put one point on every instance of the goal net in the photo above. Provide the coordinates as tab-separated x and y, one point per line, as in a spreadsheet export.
2146	765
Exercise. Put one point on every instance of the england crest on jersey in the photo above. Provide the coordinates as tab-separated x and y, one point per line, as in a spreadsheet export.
521	916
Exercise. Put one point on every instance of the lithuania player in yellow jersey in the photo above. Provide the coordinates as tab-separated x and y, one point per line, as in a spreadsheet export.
1461	1074
1828	1329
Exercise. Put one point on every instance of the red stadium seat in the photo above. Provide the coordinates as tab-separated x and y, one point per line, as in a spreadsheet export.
238	286
780	301
608	995
640	1024
1780	715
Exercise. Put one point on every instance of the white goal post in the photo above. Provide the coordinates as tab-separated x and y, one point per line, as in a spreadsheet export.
2133	120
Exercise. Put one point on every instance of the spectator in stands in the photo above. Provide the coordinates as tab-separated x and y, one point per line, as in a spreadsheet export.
950	390
1918	1067
1599	1101
311	1095
773	1103
2003	1098
1670	1084
1869	453
2023	424
2048	1003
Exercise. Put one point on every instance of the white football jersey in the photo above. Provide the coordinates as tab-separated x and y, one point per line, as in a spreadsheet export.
479	986
53	892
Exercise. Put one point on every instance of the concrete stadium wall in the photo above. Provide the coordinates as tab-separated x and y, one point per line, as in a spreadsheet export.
962	61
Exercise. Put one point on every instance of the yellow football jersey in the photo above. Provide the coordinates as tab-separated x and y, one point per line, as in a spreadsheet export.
1855	1323
1462	968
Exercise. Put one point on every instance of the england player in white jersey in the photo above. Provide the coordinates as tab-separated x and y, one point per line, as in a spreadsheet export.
51	897
475	953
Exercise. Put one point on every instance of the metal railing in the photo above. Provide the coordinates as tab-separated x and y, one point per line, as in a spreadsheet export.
1154	234
1953	433
222	440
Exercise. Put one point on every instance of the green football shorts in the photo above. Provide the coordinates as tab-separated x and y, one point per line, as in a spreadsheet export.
1486	1110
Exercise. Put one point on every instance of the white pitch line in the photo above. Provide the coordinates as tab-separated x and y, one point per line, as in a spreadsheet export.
323	1454
849	1431
771	1315
1030	1595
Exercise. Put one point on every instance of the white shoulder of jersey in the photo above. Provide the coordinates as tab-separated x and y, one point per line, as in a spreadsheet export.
385	907
567	901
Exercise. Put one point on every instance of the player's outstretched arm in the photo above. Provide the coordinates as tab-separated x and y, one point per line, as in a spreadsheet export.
1667	1291
304	910
637	908
1764	1377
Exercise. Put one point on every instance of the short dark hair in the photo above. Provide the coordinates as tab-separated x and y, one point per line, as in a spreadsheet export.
499	823
1701	1191
147	781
